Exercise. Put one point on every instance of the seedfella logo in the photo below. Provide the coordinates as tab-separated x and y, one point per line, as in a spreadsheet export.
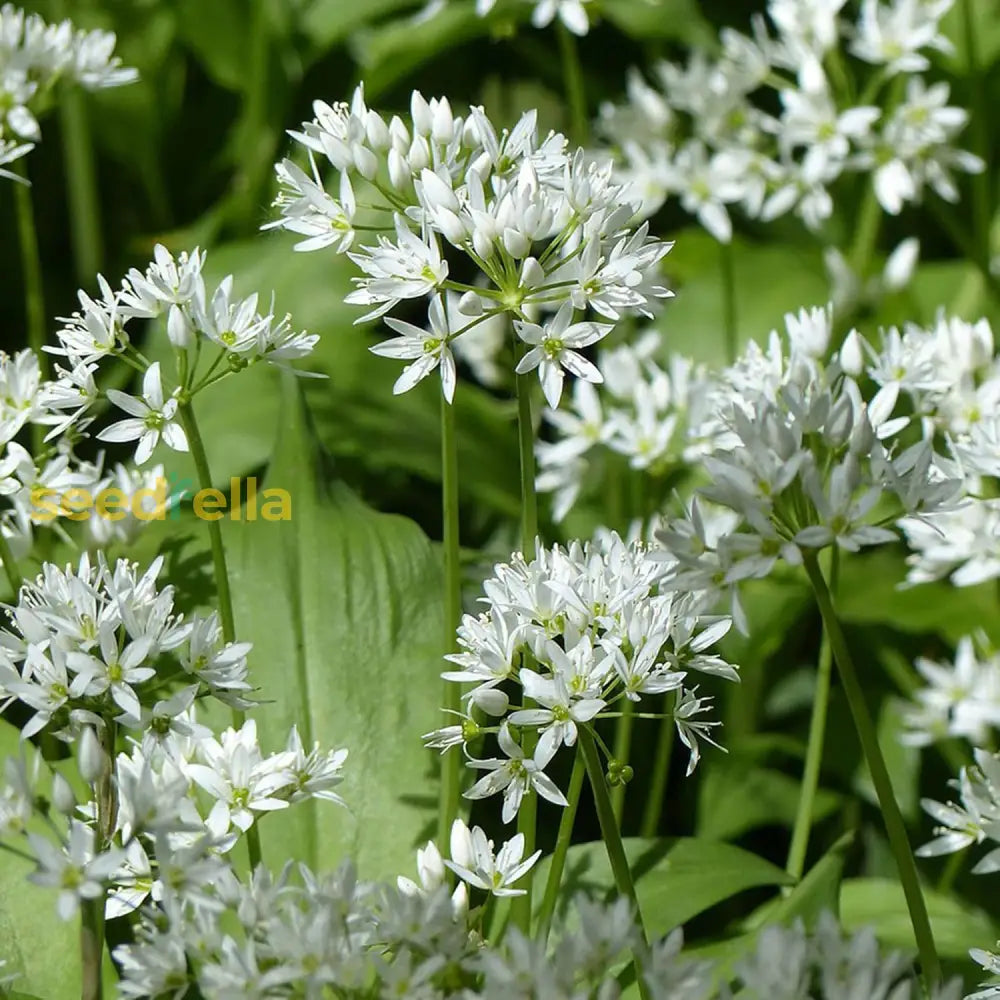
162	500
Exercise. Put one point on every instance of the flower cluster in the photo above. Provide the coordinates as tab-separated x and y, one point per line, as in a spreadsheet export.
287	935
97	650
575	631
975	820
528	223
641	411
947	378
803	461
960	699
773	123
101	642
34	57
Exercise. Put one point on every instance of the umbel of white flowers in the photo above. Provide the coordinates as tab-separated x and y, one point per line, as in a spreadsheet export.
576	630
767	127
34	58
515	224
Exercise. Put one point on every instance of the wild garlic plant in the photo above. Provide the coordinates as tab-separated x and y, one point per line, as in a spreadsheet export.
516	255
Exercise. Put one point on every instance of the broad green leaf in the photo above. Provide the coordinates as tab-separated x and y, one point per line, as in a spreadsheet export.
879	903
770	280
675	880
736	797
343	606
36	944
819	890
869	594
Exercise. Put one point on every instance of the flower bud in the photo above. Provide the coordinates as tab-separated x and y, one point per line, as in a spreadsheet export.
470	304
178	328
91	759
851	358
491	700
62	796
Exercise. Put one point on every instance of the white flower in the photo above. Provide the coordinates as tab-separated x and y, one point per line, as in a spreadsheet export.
515	777
558	716
554	349
496	873
73	869
152	418
427	349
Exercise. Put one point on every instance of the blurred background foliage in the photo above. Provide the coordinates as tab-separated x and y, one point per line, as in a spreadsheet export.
185	157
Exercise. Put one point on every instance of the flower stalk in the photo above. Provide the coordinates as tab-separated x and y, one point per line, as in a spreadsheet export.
563	839
814	751
451	763
221	569
613	842
894	824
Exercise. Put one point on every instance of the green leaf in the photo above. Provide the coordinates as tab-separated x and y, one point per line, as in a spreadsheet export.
218	34
770	280
644	19
389	52
985	33
675	879
37	945
869	594
344	607
326	22
819	890
879	903
736	797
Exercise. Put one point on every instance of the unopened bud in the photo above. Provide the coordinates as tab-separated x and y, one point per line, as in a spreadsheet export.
62	796
492	701
470	304
178	328
91	759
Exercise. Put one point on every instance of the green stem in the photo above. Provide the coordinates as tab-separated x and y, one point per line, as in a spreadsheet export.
729	313
661	770
526	446
451	763
981	211
221	569
527	814
31	274
613	843
814	752
10	567
91	947
893	818
866	233
623	744
563	839
576	95
945	218
81	186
